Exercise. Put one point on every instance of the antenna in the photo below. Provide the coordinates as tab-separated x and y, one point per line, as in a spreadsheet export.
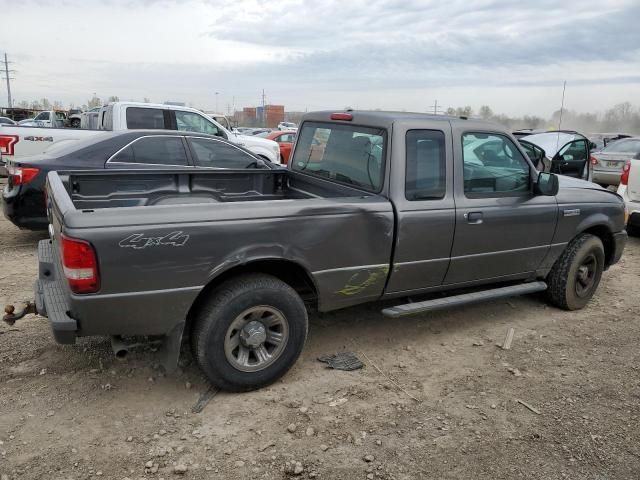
564	88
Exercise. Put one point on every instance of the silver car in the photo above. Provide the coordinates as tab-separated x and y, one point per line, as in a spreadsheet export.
609	162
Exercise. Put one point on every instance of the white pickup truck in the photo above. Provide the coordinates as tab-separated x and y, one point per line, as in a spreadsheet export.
17	141
629	189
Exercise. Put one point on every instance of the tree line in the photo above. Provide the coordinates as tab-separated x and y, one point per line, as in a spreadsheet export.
622	117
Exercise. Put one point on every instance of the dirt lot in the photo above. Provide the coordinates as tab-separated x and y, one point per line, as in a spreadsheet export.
74	412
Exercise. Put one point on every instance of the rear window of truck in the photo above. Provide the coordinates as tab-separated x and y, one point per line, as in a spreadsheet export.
348	154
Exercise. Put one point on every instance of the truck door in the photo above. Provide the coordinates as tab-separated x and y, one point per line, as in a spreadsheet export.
503	230
422	192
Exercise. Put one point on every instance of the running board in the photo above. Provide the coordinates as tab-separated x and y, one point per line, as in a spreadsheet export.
463	299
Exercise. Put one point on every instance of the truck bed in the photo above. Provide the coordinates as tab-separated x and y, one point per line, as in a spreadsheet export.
100	190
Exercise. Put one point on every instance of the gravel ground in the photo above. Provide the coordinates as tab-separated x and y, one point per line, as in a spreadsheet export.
74	412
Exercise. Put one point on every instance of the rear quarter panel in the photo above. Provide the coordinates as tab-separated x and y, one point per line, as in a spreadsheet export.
154	261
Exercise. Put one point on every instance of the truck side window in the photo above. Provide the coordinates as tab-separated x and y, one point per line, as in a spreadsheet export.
192	122
42	116
493	166
426	163
145	118
160	150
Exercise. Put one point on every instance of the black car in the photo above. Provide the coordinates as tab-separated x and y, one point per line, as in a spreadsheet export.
23	196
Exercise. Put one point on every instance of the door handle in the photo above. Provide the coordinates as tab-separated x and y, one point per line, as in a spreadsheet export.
474	218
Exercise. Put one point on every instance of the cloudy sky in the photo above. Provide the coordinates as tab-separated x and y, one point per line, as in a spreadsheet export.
310	54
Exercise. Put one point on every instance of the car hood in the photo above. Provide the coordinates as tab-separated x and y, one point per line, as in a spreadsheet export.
571	182
588	191
256	141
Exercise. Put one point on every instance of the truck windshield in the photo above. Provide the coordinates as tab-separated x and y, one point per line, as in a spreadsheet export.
348	154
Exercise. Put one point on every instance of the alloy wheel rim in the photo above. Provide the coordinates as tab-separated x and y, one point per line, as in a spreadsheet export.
256	338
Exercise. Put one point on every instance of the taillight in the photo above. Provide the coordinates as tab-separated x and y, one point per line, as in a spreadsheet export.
624	178
594	160
21	175
80	265
7	144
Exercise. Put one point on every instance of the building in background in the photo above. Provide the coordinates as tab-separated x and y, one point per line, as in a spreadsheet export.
268	116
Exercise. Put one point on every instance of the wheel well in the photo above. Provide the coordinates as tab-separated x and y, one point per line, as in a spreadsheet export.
605	235
289	272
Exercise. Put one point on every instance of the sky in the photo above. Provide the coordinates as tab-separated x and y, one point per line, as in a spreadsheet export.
308	55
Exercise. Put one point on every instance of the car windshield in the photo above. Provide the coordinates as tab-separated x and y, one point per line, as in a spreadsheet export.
347	154
623	146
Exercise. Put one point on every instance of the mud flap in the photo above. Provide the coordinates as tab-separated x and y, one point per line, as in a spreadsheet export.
170	350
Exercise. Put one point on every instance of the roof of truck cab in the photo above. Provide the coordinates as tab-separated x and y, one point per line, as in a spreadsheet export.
388	118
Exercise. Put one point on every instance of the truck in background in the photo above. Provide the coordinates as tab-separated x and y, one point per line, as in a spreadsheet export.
17	141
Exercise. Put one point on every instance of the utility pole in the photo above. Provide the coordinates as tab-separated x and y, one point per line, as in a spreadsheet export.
263	99
8	78
436	110
217	93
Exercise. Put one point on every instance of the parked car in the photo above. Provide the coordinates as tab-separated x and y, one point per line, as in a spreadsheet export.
7	121
288	126
232	260
23	196
601	140
285	141
629	189
565	153
74	117
18	142
609	162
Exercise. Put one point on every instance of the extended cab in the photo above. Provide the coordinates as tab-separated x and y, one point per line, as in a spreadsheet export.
17	142
372	206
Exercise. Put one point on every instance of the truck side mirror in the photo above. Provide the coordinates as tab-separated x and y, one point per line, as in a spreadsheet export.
547	184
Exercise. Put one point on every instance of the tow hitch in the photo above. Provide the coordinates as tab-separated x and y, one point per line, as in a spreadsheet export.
10	316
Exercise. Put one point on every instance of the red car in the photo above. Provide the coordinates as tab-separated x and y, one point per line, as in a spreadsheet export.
285	140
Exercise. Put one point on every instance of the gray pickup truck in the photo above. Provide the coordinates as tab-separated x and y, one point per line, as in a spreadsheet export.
373	206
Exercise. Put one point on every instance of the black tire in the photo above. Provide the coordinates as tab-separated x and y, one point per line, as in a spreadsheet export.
75	123
569	287
227	303
633	231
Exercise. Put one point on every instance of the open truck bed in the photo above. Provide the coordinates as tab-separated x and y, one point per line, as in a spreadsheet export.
164	235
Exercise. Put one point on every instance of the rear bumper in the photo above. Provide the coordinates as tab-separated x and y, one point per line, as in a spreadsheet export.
24	213
606	177
51	298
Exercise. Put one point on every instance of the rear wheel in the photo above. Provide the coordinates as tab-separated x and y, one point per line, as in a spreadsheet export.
250	332
576	275
75	123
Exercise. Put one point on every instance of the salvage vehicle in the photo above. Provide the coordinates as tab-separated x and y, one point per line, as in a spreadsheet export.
601	140
7	121
23	196
232	260
629	189
566	153
16	142
285	142
609	162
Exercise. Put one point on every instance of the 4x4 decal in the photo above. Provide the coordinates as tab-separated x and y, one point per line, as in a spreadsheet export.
138	240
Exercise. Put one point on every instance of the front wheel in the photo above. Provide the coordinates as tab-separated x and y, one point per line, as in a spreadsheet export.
75	123
250	333
576	275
